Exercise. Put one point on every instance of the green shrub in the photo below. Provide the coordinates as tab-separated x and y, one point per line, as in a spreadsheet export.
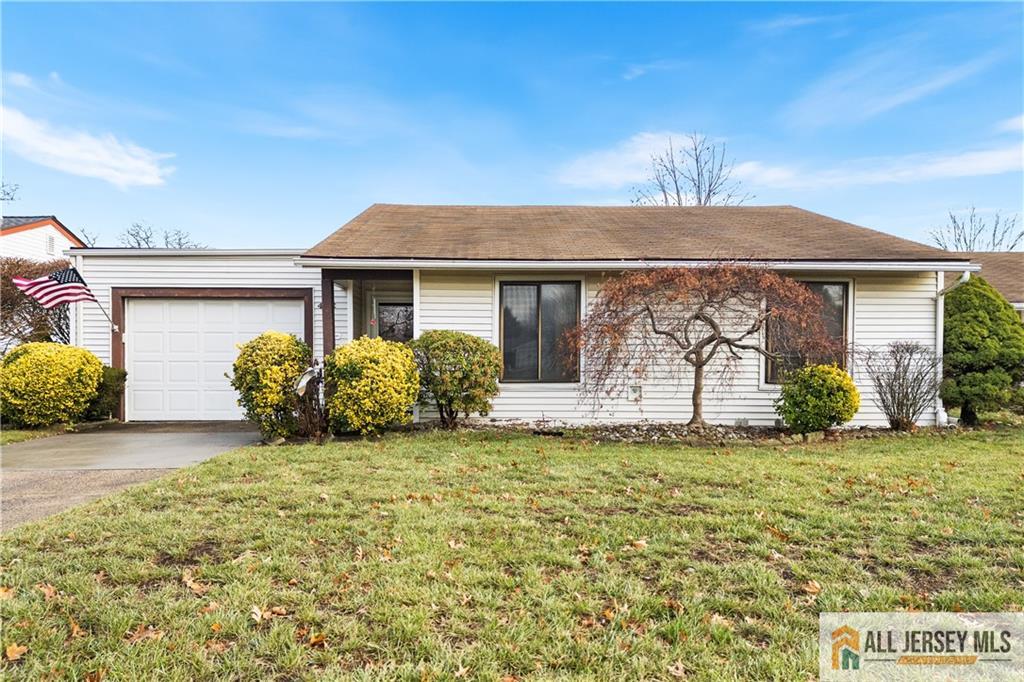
264	375
458	373
47	383
816	398
984	351
371	384
108	394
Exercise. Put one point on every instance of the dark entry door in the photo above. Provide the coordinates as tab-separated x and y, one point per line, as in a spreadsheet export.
394	321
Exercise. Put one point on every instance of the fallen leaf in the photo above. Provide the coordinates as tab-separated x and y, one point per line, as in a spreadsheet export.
278	611
323	497
318	640
15	651
6	593
198	588
210	608
293	581
456	544
947	531
640	544
48	590
216	627
217	645
777	533
812	587
678	670
96	675
461	672
76	631
142	633
256	613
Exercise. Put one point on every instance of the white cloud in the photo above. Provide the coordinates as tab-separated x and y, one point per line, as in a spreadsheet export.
637	70
625	164
1012	125
885	170
105	157
875	81
19	80
787	22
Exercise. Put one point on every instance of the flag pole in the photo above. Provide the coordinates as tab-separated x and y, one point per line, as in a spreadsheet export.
113	327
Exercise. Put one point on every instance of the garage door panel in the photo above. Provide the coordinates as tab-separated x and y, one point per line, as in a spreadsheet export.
179	350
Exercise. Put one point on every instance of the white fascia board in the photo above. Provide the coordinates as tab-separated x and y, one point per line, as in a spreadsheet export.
209	253
432	264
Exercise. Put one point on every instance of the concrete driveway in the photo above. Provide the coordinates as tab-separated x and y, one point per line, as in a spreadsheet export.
44	476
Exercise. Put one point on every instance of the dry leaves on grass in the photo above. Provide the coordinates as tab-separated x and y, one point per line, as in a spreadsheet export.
198	588
677	670
15	651
258	614
96	675
48	590
143	633
776	533
6	593
217	645
812	587
210	608
76	630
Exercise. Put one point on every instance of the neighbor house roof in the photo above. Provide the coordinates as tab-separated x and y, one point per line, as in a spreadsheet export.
1004	270
602	233
20	223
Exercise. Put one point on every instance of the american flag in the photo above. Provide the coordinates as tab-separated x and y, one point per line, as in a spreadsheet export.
64	286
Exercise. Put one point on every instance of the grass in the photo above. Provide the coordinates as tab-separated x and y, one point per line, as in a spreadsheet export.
9	436
483	555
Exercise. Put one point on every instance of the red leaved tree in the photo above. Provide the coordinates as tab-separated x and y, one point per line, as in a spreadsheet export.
671	319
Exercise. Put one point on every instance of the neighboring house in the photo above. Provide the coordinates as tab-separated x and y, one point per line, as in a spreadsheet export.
517	276
1004	270
38	237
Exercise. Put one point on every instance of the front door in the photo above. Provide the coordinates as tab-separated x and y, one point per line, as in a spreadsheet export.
394	321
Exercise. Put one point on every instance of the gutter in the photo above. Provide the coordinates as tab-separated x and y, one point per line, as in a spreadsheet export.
941	418
198	253
479	264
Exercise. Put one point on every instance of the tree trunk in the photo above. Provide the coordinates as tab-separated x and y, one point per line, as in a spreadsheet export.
698	397
968	415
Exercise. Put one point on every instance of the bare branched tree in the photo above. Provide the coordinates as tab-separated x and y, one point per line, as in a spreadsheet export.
970	232
667	319
8	191
90	238
143	236
695	173
22	318
905	375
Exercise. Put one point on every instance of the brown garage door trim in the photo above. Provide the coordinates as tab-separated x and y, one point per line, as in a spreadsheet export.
120	294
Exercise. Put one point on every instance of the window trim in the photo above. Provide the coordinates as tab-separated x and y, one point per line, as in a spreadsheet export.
848	327
498	320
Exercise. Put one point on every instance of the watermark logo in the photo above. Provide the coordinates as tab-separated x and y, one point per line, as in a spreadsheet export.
845	648
921	646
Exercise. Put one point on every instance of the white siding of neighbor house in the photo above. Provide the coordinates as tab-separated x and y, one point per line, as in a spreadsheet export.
103	272
35	244
885	308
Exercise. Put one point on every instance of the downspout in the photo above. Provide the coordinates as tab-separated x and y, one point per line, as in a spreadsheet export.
941	418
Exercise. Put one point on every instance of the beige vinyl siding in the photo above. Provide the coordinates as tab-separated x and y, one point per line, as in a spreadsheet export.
885	307
103	272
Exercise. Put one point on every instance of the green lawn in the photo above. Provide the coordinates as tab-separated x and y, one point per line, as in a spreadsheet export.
8	436
481	555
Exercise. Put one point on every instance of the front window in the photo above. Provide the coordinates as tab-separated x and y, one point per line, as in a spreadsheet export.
534	319
833	295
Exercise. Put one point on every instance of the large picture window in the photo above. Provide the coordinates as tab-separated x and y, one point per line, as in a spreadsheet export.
834	295
534	319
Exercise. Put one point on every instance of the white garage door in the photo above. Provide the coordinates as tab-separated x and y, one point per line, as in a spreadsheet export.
177	352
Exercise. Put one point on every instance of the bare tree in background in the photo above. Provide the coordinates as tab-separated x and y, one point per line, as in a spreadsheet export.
88	237
8	191
694	173
143	236
971	232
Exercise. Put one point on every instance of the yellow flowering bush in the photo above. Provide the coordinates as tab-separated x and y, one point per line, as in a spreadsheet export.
371	384
817	397
47	383
264	375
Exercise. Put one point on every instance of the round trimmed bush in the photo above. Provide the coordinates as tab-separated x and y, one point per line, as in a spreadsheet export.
458	373
817	397
371	384
264	376
47	383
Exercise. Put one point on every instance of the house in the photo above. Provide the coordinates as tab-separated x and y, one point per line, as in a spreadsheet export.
37	237
1004	270
515	275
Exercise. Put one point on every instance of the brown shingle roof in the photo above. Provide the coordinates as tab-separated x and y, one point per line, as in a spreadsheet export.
1004	270
611	233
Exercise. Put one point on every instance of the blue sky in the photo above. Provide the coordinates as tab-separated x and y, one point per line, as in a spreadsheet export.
272	124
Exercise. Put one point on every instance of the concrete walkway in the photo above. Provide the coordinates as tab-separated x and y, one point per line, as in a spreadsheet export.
47	475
